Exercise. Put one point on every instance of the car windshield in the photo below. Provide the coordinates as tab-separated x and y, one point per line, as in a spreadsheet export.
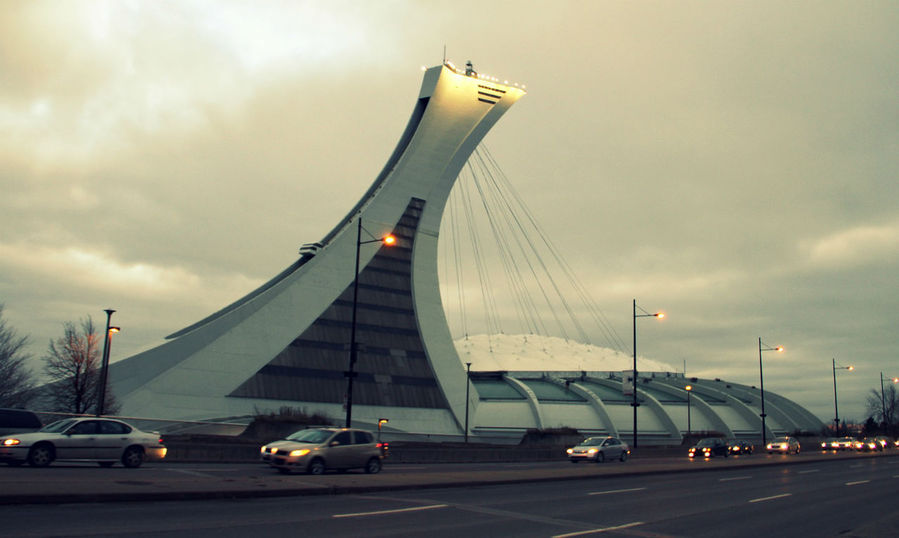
593	441
310	436
59	425
705	442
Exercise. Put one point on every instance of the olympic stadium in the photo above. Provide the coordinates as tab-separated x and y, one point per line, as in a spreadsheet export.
370	340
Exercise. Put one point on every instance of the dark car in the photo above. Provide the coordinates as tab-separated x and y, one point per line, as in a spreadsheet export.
709	448
739	447
18	421
598	450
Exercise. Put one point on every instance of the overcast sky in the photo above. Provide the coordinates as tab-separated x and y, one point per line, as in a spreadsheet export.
732	163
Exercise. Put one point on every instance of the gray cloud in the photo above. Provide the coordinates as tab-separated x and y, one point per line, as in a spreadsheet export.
731	163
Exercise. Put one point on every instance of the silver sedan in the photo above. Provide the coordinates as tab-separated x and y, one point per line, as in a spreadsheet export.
100	440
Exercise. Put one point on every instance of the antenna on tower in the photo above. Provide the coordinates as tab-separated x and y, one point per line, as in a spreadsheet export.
444	53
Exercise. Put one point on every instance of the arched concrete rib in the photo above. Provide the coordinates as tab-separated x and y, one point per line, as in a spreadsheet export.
595	402
532	399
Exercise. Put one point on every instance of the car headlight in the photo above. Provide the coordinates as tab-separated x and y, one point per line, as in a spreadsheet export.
262	450
591	451
299	452
10	442
569	451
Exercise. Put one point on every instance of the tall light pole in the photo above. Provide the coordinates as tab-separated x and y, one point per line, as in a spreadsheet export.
836	412
634	404
883	404
104	365
467	387
388	240
764	347
689	389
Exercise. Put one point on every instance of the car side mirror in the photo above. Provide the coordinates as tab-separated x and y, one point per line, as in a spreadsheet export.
334	443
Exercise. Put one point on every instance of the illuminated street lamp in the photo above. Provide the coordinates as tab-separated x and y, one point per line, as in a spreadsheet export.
883	405
381	422
764	347
689	389
388	240
836	413
645	314
104	367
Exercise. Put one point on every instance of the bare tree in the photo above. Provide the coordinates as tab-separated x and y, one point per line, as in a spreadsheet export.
883	405
16	380
72	365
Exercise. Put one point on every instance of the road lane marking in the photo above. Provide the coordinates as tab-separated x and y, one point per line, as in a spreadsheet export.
809	471
857	482
396	511
597	531
615	491
761	499
734	478
856	466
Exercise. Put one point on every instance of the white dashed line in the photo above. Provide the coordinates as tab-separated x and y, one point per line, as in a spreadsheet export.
770	498
809	471
615	491
734	478
397	511
857	482
597	531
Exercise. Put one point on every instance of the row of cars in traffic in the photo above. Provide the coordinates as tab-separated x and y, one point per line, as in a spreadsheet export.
108	441
868	444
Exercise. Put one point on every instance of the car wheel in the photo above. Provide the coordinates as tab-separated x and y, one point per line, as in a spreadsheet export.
316	466
133	457
41	455
105	463
600	457
623	456
373	466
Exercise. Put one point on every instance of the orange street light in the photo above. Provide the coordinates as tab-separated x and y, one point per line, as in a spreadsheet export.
836	413
764	347
635	404
104	367
387	240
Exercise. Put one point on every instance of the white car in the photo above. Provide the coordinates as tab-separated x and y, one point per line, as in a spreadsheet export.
102	440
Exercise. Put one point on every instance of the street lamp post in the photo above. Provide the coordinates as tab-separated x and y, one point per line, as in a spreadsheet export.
689	389
764	347
634	404
467	387
836	412
883	404
350	373
104	364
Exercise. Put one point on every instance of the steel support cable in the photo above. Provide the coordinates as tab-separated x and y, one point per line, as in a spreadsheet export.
598	315
516	223
483	275
525	307
457	261
505	245
536	255
500	210
535	319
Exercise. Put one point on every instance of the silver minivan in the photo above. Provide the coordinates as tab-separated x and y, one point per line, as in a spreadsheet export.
316	450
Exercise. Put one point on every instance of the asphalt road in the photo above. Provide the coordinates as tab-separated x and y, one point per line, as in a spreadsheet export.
805	497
